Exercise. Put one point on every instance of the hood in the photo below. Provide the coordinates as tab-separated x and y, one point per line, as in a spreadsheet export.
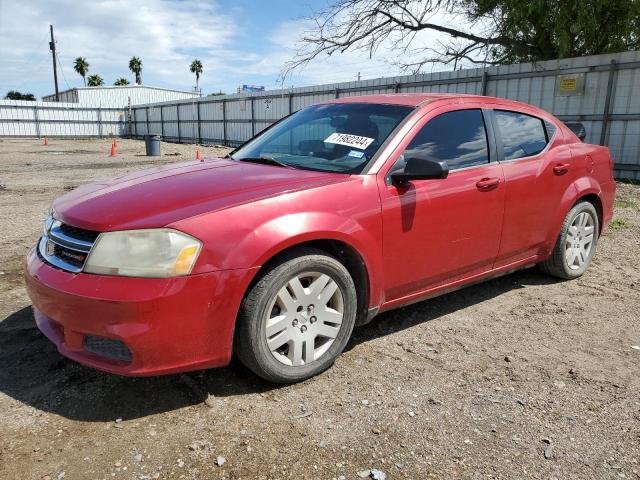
160	196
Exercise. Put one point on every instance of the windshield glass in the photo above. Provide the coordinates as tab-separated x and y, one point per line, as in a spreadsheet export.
335	137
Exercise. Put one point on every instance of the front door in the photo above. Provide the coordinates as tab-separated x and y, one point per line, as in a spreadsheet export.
439	231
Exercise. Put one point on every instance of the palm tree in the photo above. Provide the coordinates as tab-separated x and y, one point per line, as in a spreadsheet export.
95	80
121	81
81	66
135	65
196	67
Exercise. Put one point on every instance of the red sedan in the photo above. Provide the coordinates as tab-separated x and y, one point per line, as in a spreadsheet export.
336	213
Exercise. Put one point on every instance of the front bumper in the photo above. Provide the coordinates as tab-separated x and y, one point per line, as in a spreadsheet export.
168	325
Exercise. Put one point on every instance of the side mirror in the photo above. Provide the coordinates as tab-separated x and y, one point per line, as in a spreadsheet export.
420	167
578	129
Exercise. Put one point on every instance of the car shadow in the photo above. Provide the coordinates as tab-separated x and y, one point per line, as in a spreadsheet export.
34	373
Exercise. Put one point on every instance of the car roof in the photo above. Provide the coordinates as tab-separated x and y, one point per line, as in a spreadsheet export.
419	99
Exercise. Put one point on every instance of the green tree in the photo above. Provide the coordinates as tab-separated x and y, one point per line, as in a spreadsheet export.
135	65
15	95
495	31
95	80
121	81
196	67
81	66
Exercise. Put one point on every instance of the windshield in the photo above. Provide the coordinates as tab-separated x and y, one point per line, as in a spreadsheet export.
335	137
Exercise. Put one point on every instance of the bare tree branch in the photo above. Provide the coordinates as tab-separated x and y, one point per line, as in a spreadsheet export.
365	25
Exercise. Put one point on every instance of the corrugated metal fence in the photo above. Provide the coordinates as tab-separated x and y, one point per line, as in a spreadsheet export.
600	91
39	119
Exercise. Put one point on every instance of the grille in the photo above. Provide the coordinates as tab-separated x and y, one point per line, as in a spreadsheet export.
108	348
70	256
65	246
79	233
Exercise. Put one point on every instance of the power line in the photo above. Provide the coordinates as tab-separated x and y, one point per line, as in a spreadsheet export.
62	71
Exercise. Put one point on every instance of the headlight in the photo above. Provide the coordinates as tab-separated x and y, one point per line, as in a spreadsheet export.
156	253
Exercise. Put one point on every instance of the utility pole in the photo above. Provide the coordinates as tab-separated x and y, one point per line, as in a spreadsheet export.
358	76
52	47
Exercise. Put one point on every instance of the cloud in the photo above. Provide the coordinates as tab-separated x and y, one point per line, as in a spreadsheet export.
167	35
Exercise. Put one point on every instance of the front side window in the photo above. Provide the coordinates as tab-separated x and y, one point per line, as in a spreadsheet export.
459	137
336	137
522	135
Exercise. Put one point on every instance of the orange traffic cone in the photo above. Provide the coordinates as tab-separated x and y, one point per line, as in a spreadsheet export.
113	150
46	141
198	157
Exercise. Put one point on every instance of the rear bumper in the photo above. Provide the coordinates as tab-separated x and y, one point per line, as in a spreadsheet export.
168	325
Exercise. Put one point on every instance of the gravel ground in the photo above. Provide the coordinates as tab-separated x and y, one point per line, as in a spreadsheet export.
520	377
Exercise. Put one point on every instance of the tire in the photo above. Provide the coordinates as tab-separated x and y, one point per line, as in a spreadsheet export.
299	345
564	263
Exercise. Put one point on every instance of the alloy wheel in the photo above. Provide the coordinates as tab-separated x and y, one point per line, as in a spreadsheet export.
304	318
579	240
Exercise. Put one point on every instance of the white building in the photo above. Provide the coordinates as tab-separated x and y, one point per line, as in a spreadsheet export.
120	96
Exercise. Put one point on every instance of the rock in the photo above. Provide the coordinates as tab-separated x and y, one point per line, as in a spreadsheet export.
137	457
210	401
180	463
412	414
635	347
559	384
323	444
364	473
118	464
61	476
376	431
378	475
220	461
507	359
364	402
548	450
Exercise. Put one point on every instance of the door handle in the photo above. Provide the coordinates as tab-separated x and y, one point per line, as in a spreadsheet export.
487	184
561	168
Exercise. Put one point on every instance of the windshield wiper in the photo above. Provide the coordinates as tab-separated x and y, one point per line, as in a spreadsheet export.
264	161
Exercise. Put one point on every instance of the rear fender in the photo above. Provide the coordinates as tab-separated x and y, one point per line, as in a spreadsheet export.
566	202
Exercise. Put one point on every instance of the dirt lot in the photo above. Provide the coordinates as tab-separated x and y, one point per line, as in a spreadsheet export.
520	377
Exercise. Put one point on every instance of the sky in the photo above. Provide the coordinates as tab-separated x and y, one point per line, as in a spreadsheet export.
238	41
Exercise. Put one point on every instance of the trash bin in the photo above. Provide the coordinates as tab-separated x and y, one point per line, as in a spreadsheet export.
152	145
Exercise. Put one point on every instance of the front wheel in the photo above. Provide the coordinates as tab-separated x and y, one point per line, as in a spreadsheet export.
297	318
576	243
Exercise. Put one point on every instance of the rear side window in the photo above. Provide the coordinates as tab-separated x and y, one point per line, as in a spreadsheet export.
459	137
522	135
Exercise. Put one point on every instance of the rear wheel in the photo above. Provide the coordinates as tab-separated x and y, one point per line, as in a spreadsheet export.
576	243
297	318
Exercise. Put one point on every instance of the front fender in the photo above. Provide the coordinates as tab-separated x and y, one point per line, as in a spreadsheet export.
247	236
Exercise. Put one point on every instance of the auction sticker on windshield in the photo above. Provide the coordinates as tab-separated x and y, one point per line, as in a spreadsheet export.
354	141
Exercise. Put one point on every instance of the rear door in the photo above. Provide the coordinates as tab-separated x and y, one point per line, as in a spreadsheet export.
438	231
538	171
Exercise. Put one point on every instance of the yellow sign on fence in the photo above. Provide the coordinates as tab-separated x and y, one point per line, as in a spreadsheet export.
570	84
